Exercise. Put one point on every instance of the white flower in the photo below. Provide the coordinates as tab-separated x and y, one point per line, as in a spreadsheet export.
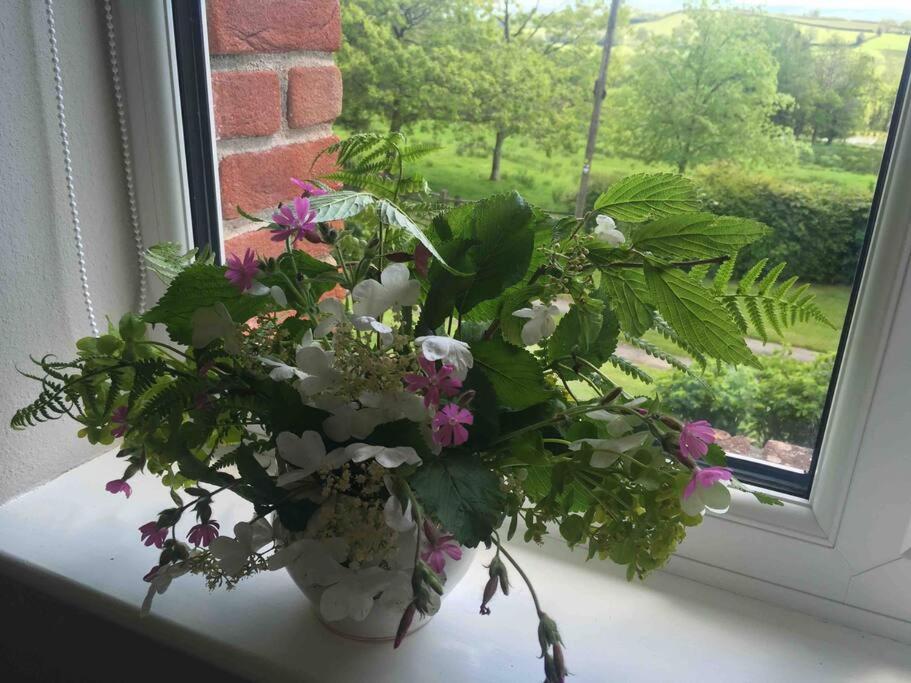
451	351
366	323
278	294
316	364
160	582
616	425
394	289
213	323
606	451
232	553
353	596
307	453
334	313
395	405
399	593
281	372
315	562
347	421
396	518
389	457
542	319
606	231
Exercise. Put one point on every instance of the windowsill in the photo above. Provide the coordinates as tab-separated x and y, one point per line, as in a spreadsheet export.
73	540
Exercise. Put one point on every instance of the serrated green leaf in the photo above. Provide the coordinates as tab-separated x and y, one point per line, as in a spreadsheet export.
646	195
199	286
460	492
696	235
514	373
335	206
391	214
696	316
577	331
625	292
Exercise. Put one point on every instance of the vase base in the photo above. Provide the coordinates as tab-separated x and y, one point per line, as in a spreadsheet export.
360	638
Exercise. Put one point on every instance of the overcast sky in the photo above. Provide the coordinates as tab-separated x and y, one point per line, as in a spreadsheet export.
872	10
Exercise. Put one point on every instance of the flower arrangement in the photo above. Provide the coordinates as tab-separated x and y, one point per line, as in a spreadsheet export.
439	375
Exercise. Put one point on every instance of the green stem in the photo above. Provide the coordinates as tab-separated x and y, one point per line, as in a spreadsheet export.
512	561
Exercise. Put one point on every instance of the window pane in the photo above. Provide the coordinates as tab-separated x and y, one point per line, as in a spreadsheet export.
777	116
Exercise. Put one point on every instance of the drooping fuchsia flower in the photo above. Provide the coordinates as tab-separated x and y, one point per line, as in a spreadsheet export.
203	534
437	546
706	478
297	223
242	271
308	189
119	423
119	486
447	425
152	534
695	438
433	383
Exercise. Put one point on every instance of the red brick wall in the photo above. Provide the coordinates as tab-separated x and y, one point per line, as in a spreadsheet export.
276	92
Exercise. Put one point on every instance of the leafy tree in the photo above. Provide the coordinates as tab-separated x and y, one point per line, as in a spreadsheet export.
845	81
708	91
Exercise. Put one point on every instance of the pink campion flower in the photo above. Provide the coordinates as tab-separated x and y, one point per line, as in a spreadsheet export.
695	438
152	534
433	383
242	271
308	189
203	534
119	423
119	486
447	425
436	546
297	223
706	478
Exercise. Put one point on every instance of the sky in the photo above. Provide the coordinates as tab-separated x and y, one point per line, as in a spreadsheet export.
871	10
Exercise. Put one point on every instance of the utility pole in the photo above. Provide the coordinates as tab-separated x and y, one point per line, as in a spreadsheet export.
599	94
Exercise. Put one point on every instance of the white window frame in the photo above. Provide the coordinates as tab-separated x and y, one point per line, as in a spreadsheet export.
834	555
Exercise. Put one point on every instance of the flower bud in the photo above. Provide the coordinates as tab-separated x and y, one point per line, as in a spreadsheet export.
611	395
430	577
548	635
550	669
404	625
560	663
671	422
489	591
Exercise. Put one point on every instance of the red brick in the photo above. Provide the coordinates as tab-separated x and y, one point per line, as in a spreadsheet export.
260	180
241	26
314	95
247	103
260	242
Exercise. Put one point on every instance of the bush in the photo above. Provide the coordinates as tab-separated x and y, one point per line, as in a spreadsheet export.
844	157
783	400
818	230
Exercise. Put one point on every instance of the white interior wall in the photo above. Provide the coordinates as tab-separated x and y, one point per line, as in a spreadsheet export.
41	308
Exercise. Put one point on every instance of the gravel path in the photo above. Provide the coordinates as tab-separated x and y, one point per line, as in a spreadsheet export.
640	357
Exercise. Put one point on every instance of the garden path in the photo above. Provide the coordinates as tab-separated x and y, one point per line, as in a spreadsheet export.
640	357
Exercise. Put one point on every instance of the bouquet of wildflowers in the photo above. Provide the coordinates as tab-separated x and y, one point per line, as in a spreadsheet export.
441	372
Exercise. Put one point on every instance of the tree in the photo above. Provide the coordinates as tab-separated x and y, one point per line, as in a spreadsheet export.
845	83
396	60
708	91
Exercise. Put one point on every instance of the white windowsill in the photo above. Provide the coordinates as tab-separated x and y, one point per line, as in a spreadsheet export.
669	628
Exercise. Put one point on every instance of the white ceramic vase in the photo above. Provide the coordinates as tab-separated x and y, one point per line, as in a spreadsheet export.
388	604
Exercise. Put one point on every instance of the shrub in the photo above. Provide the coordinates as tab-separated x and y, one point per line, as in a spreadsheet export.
783	400
817	229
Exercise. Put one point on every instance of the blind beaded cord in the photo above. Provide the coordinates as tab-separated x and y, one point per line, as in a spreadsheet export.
68	166
125	149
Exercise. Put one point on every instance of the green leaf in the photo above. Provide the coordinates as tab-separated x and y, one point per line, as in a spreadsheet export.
460	492
626	294
514	373
393	215
577	331
696	316
696	235
198	286
335	206
483	406
646	195
573	529
168	259
715	456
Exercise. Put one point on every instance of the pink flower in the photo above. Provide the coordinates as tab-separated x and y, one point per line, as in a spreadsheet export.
433	382
308	189
437	545
241	272
706	478
203	534
152	534
447	425
119	486
119	423
695	438
297	223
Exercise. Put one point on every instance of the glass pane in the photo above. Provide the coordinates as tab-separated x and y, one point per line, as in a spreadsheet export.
781	116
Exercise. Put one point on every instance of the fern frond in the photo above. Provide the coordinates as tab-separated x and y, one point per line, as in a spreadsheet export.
656	352
628	368
668	332
750	276
723	276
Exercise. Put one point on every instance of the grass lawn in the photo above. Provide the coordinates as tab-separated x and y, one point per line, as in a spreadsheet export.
631	386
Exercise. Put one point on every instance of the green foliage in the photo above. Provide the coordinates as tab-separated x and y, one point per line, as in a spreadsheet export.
167	259
696	235
463	493
647	195
514	373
